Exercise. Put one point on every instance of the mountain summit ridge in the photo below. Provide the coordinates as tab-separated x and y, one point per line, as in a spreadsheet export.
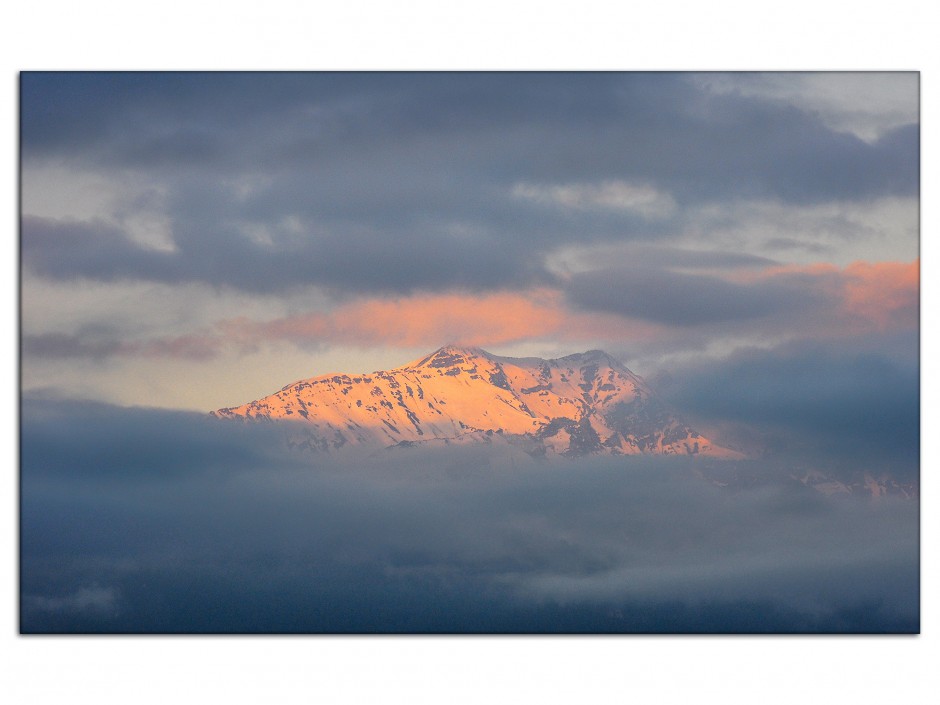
581	404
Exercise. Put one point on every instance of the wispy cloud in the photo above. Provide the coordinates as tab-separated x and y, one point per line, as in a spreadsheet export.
94	599
641	199
866	104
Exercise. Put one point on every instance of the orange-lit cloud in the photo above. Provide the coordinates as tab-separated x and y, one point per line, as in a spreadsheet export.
429	320
419	320
884	293
861	298
865	296
414	321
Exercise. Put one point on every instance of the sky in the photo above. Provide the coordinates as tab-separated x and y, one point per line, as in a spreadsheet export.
748	243
195	241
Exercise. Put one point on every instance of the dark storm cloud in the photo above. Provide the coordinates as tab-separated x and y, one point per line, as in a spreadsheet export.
681	299
388	175
853	405
572	122
139	520
111	115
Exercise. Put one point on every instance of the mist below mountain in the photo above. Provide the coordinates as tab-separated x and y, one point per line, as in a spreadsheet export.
138	520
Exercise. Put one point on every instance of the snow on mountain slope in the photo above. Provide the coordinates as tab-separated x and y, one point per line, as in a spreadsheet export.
587	403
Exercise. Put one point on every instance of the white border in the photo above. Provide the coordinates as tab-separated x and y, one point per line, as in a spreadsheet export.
798	34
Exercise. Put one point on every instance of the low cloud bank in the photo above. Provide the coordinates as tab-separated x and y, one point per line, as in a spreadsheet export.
136	520
847	407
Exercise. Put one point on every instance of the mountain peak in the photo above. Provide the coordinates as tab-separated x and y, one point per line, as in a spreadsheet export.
586	403
450	355
590	356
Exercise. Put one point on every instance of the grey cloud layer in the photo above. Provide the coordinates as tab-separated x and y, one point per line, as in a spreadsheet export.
470	123
155	521
679	299
353	261
401	181
854	403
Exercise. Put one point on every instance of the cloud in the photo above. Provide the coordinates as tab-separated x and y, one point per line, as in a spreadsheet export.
493	318
864	103
421	321
397	183
590	125
686	299
79	346
417	321
817	300
880	229
646	303
199	525
99	250
85	599
643	200
851	404
279	259
62	345
651	256
887	293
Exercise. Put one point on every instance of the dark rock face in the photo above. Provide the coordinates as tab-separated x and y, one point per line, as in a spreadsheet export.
498	378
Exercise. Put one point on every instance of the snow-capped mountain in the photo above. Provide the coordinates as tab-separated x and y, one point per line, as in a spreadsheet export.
581	404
